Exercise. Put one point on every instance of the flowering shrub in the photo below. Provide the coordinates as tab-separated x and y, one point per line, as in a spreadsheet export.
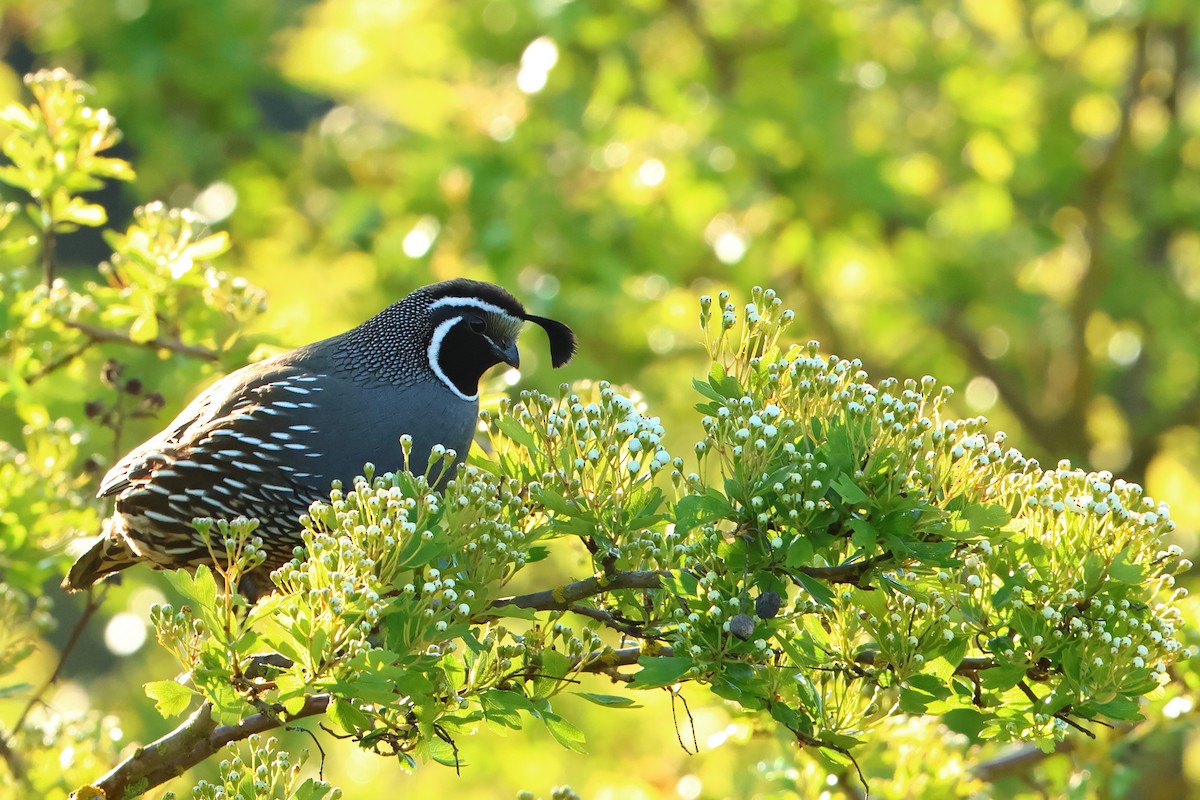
837	558
842	554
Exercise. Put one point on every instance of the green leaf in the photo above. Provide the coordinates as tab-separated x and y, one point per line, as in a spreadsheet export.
865	537
1125	572
914	702
816	589
850	491
705	389
1122	709
513	612
294	705
82	213
680	583
502	707
117	168
145	327
985	516
697	509
170	697
554	501
346	716
608	700
966	721
564	732
553	669
800	553
199	587
311	790
1002	677
660	671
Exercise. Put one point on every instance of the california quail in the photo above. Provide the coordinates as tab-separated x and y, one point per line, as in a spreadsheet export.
267	440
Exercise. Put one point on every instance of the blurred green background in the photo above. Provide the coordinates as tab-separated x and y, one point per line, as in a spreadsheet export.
1003	194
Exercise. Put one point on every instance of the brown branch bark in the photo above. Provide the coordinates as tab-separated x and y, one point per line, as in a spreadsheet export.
564	597
968	666
1019	761
198	738
121	337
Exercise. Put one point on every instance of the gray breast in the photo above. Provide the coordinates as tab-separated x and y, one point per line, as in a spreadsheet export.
364	423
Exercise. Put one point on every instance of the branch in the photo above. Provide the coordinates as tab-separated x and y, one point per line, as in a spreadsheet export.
562	598
121	337
851	572
94	598
1019	761
1008	385
16	765
198	738
968	666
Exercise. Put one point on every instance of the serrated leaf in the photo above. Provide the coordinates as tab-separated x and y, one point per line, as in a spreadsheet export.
170	697
1124	571
660	671
1002	677
294	705
680	583
200	587
1122	709
346	716
564	732
697	509
983	516
850	491
608	700
914	702
502	707
800	553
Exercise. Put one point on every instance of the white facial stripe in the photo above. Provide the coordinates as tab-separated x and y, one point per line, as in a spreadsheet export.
469	302
435	346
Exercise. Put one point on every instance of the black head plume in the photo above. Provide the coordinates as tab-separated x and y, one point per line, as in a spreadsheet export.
562	339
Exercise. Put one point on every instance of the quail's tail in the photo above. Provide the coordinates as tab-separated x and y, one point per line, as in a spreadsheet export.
108	555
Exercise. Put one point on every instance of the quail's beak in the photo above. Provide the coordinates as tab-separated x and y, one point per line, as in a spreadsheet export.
508	353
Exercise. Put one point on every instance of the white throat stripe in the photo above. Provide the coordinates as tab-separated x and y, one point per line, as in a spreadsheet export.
435	347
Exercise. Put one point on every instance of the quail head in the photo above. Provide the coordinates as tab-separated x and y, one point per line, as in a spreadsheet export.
267	440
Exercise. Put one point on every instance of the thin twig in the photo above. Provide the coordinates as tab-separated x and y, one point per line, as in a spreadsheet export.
48	254
121	337
94	599
11	757
60	362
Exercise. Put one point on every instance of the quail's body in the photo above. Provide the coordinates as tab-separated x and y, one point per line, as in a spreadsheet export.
267	440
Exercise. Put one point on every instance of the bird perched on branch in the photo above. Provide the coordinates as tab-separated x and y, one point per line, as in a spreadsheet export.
267	440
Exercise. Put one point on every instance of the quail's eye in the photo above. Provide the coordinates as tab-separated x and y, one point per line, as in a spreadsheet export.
477	325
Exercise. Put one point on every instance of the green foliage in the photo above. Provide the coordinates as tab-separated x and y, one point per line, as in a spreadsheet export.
1001	195
915	567
261	768
158	297
54	146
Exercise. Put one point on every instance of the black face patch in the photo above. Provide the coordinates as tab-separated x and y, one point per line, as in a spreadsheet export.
468	340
